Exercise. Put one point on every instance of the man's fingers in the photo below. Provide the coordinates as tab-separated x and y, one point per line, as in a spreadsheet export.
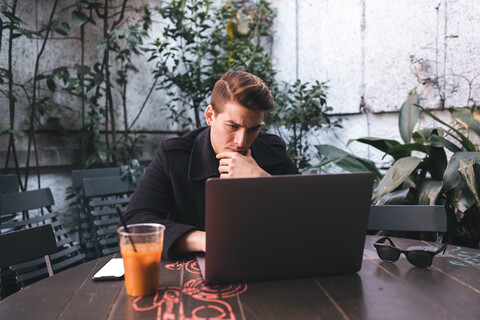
224	162
224	173
225	155
234	164
232	154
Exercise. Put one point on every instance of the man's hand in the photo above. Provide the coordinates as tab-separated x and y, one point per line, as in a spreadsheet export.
193	241
237	165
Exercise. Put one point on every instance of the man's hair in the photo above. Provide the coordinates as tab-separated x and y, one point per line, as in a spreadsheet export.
244	88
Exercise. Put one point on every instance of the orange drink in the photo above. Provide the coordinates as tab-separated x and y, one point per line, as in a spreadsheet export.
141	260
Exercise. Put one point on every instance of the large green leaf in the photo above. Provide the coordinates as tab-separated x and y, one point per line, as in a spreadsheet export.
396	197
330	153
396	175
476	168
428	191
462	200
345	160
17	132
451	177
423	135
467	171
408	117
355	164
436	163
51	85
466	118
466	143
441	142
381	144
90	160
79	18
404	150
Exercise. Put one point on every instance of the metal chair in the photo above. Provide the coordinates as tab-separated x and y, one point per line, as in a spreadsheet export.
9	183
25	245
419	218
34	208
28	244
85	224
103	195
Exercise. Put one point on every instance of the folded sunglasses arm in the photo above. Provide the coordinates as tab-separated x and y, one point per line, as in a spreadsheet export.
442	248
382	240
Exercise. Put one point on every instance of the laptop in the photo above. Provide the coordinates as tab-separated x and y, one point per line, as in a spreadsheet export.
286	226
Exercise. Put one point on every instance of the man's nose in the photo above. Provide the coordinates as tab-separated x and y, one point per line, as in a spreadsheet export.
241	137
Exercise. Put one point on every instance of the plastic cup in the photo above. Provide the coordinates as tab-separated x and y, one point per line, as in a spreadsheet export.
142	268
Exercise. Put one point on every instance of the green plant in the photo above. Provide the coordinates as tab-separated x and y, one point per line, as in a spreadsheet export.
242	39
92	86
301	110
182	61
123	38
429	176
38	105
200	43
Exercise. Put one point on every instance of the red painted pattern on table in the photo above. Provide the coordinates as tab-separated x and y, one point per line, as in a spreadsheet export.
168	297
190	266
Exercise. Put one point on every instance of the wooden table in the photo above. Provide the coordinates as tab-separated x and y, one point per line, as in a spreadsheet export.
450	289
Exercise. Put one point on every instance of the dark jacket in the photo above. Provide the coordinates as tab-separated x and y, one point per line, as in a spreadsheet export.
172	191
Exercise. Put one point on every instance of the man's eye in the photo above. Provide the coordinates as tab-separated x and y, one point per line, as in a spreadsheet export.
233	126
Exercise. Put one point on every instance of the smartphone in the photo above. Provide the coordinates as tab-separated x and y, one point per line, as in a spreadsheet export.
112	270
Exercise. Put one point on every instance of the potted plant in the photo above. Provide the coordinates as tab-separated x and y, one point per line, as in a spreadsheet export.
427	176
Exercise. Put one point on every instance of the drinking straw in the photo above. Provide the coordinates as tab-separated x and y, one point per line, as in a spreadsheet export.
120	215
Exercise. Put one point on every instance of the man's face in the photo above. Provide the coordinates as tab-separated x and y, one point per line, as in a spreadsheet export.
233	129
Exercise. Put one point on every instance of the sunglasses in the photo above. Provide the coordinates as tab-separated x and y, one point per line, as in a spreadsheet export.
417	257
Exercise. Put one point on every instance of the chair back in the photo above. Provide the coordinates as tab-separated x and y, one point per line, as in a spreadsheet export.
28	244
79	175
103	195
29	200
424	218
85	224
31	209
9	183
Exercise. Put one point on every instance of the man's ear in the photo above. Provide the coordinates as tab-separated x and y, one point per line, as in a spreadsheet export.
209	114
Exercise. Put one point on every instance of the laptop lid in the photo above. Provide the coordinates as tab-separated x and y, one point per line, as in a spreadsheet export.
285	226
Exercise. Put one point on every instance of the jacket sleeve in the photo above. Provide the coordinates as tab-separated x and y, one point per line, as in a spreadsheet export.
289	166
152	203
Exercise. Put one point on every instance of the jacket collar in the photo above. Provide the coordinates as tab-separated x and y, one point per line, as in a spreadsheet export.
203	163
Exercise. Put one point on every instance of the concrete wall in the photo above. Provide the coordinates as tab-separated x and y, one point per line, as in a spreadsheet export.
363	48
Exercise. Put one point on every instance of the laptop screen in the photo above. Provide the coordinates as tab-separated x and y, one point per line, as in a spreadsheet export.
285	226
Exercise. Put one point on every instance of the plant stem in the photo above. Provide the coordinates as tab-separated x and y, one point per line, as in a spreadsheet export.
295	140
106	35
143	105
196	108
123	94
1	33
34	101
11	100
119	20
82	85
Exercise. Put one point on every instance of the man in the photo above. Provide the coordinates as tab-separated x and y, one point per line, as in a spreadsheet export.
172	191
